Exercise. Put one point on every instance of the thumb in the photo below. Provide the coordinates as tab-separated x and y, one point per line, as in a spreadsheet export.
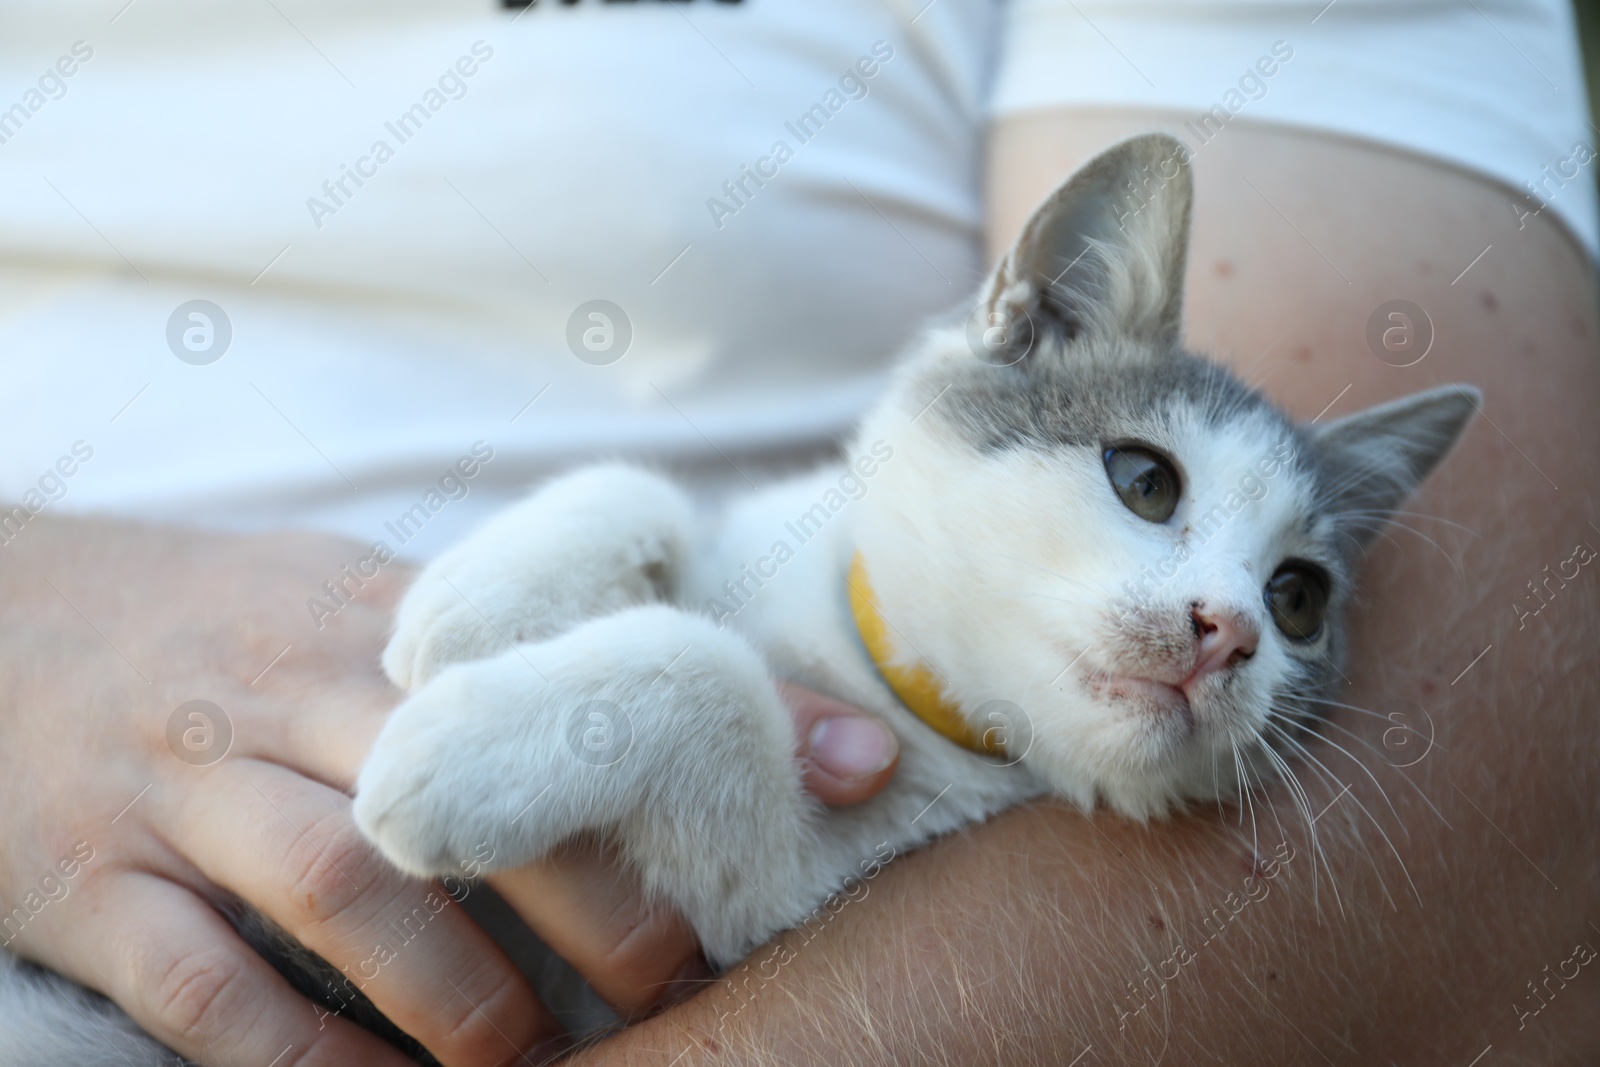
848	755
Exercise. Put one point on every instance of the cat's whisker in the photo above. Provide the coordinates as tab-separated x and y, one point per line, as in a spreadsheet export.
1325	721
1455	564
1255	836
1377	529
1366	850
1357	737
1343	531
1292	783
1370	817
1241	785
1347	707
1302	804
1382	792
1367	712
1341	787
1372	512
1216	783
1262	787
1300	798
1237	784
1382	528
1368	744
1338	786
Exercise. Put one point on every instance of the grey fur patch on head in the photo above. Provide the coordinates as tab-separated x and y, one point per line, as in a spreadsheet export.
1088	393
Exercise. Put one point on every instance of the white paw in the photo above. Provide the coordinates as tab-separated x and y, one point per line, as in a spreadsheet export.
650	725
426	795
588	544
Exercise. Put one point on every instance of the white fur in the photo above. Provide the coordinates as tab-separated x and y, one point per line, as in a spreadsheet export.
615	534
48	1021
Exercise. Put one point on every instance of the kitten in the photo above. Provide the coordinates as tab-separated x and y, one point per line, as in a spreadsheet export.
1080	561
1063	556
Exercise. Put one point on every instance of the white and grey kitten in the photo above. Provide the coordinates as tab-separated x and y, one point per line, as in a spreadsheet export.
1111	563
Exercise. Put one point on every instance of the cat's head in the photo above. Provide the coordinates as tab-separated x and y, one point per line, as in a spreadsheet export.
1119	538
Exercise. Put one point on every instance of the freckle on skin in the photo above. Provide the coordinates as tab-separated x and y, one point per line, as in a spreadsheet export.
1427	687
1224	269
1490	304
1303	353
1155	920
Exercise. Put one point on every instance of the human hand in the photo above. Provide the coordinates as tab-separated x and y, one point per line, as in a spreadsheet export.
105	629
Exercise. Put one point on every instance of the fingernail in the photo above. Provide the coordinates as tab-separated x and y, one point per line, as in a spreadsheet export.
690	979
852	746
548	1051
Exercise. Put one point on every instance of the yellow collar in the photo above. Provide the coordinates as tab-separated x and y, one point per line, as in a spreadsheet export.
915	685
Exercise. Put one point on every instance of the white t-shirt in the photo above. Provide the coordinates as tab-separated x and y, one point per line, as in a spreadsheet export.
1497	87
510	167
405	211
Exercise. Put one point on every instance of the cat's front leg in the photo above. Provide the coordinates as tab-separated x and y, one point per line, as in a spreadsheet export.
650	726
587	544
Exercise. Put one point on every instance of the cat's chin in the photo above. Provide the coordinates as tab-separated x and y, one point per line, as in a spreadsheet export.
1164	705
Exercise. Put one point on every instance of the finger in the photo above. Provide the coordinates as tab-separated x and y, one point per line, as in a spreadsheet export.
184	976
289	846
323	735
848	755
590	909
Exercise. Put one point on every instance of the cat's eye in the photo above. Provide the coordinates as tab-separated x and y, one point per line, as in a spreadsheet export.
1146	481
1298	598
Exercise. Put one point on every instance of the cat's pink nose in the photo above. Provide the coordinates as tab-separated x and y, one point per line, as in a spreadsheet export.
1227	639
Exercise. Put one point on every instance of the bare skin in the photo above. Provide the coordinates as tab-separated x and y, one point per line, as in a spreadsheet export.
1025	941
105	629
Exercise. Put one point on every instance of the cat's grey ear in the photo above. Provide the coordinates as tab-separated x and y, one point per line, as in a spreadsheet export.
1372	460
1104	254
